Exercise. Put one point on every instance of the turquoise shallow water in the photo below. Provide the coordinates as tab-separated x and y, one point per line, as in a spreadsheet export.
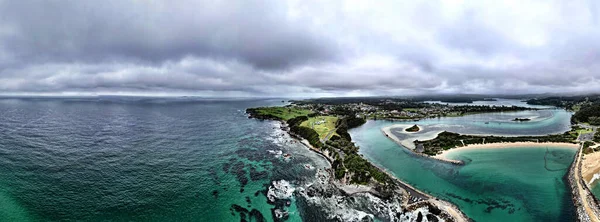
141	159
521	184
596	189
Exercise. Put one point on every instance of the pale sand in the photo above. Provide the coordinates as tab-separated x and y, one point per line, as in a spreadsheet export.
445	154
590	166
409	142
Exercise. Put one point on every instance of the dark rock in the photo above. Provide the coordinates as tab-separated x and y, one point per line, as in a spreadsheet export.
257	216
432	218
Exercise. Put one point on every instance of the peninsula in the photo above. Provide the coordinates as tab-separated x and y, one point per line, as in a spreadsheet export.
350	173
323	124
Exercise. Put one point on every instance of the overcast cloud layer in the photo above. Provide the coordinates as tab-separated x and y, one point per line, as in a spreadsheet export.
298	47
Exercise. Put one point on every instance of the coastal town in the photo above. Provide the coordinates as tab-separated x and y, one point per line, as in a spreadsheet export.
397	108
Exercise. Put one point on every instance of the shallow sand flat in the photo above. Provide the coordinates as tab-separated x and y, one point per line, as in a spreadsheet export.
446	154
408	142
590	166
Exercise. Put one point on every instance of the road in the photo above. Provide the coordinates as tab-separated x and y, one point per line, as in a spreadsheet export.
587	136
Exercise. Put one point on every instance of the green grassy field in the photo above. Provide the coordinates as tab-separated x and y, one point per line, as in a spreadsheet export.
584	130
324	128
284	113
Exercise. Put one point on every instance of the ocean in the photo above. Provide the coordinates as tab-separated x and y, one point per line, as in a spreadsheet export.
196	159
142	159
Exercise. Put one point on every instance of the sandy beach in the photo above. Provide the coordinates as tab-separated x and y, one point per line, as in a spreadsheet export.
590	167
408	143
446	153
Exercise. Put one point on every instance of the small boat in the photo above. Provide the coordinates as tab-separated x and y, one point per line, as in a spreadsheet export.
487	122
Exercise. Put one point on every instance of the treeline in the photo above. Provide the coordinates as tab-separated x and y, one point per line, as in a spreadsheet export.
588	114
348	122
448	140
564	102
567	102
350	163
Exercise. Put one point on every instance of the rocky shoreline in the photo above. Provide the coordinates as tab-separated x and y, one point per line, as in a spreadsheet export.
343	202
587	207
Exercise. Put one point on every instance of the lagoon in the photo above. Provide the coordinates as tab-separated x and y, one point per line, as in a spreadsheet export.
520	184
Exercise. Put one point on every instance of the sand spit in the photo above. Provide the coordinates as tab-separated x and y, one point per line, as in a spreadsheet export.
409	142
445	155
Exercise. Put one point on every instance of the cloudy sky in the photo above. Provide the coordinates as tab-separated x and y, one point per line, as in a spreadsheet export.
298	47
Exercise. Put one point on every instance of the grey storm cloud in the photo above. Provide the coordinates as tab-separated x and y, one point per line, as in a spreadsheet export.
298	47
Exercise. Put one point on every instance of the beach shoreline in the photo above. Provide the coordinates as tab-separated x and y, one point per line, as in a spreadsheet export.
445	155
449	208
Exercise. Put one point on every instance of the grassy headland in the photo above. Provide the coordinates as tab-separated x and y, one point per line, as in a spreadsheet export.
349	167
278	112
323	125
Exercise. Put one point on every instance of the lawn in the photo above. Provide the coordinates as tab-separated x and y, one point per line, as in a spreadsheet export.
584	130
284	113
323	128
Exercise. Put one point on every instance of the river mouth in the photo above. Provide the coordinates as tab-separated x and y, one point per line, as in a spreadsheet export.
494	184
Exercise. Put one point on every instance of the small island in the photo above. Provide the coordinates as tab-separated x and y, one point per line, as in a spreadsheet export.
413	129
521	119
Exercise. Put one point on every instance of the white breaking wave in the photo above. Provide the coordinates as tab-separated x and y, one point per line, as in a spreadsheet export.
280	190
595	177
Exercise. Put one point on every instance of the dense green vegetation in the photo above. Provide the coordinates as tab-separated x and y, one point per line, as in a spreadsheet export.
597	136
588	114
568	102
414	128
347	163
448	140
587	108
277	112
305	132
323	125
586	147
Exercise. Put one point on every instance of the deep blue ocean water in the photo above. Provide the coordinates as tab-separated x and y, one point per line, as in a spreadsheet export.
140	159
